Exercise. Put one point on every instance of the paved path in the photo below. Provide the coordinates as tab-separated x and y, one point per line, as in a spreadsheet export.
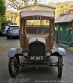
33	75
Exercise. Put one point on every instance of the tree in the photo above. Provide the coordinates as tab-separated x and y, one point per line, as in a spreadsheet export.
2	7
16	4
2	11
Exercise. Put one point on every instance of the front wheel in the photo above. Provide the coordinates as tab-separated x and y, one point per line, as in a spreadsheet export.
60	66
13	66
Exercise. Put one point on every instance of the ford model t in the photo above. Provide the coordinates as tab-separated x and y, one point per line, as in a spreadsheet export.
36	40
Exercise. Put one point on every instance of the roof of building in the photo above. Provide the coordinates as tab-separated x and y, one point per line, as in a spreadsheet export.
67	17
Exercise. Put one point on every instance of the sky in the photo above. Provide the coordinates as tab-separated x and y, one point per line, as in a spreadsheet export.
47	1
55	1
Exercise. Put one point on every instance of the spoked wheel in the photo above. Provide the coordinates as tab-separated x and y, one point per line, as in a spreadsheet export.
13	66
60	66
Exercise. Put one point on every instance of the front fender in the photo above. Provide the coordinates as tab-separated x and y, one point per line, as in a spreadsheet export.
61	51
13	51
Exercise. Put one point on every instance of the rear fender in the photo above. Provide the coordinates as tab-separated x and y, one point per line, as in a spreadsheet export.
14	51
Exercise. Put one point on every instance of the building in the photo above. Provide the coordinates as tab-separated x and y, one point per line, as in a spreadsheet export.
64	28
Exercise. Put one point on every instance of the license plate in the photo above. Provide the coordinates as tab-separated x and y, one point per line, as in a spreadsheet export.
32	58
13	31
38	58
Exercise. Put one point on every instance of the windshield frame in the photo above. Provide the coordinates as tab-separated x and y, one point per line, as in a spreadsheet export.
43	27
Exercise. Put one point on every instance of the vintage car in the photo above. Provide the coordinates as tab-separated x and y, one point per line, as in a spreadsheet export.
36	40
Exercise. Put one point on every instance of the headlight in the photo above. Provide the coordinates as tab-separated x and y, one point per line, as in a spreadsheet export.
25	52
48	52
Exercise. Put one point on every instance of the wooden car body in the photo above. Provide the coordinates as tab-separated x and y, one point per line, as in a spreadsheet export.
37	12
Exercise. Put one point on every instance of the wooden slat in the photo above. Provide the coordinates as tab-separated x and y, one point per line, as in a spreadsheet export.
35	13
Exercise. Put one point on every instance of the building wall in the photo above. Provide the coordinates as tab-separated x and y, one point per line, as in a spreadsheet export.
64	33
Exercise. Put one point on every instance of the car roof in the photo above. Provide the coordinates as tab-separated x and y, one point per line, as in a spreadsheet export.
13	25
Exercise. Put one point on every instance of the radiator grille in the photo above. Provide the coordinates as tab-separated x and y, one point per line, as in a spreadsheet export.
37	49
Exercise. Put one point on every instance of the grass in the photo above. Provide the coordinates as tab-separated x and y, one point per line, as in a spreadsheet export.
70	48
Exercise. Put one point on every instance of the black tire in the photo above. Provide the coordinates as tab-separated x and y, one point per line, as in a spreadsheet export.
13	66
0	34
60	66
8	37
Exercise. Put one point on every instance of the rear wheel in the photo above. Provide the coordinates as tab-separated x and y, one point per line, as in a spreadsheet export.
60	66
8	37
13	66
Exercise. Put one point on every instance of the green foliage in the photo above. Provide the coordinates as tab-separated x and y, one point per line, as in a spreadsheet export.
2	11
2	19
16	4
2	7
62	7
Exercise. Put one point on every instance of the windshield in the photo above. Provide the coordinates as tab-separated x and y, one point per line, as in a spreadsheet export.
14	28
37	26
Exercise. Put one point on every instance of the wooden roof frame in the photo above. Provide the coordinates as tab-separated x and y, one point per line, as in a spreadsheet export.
37	10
